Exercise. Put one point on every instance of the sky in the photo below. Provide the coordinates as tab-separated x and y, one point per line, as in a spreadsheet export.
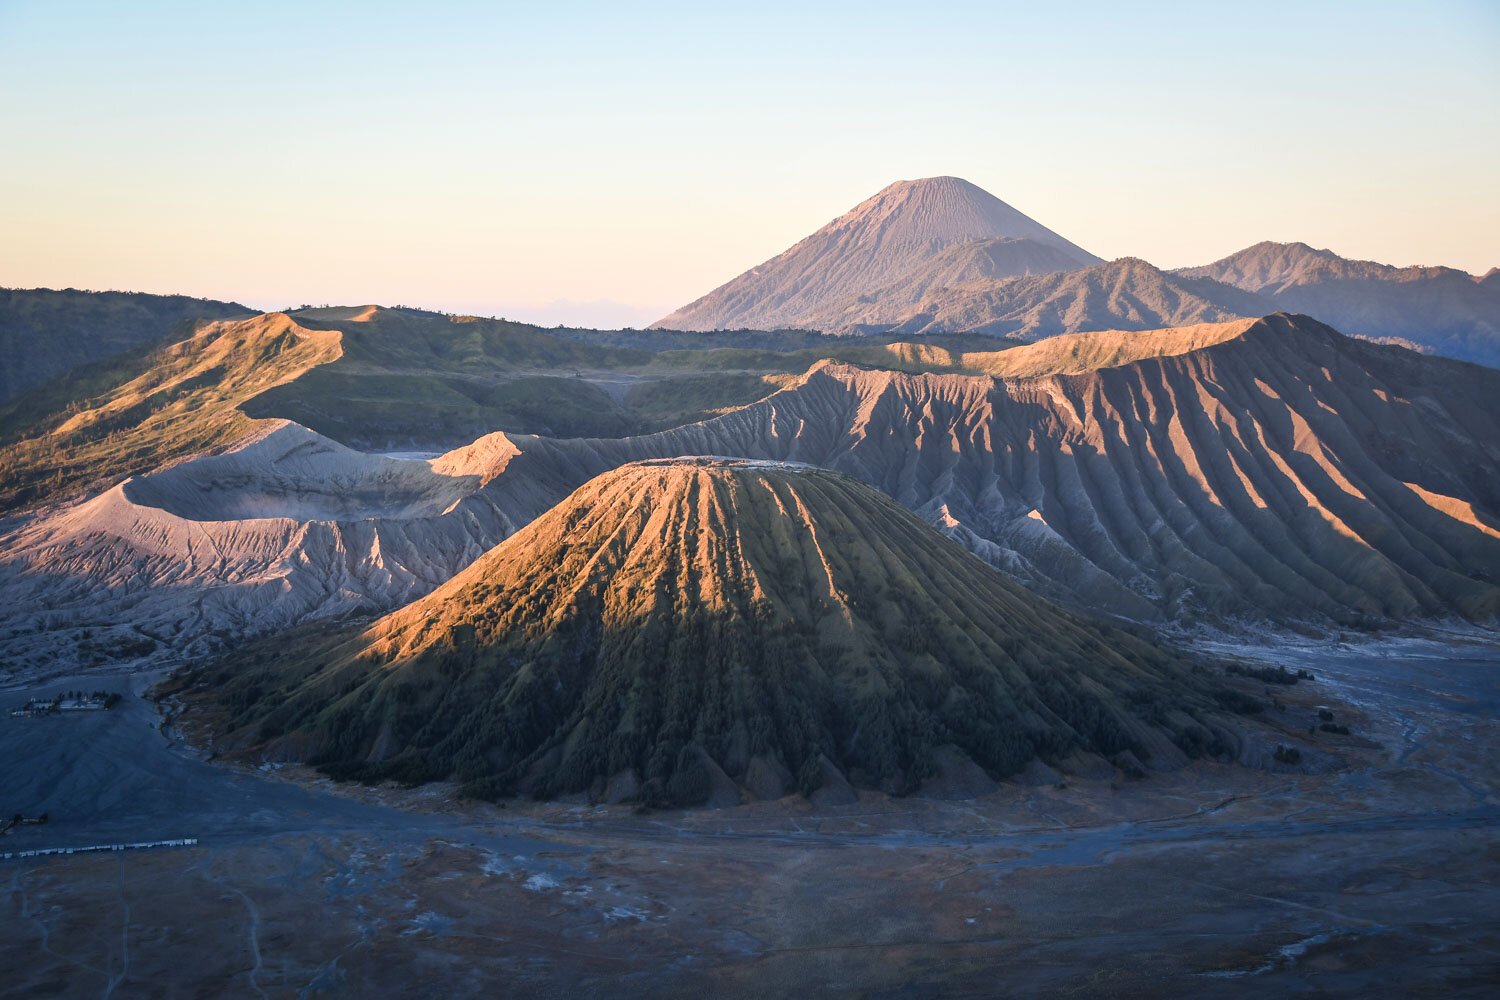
604	163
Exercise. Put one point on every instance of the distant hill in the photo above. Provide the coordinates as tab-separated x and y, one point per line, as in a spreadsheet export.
1436	309
45	334
675	632
907	233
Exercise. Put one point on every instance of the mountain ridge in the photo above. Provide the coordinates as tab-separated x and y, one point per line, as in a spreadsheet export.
1239	478
1128	293
1439	309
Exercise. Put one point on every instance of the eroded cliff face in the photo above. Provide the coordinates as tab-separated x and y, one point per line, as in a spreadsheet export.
1272	469
1285	471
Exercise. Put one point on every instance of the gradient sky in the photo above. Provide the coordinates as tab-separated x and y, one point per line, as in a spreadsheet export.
605	163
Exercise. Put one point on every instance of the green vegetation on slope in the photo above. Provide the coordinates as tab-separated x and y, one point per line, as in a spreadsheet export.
149	411
384	411
411	379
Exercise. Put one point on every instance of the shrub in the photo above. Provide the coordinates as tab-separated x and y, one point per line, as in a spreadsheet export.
1270	675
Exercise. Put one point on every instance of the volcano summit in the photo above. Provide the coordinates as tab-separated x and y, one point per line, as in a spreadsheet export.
918	234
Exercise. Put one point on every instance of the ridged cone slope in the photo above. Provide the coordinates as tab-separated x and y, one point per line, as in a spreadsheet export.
684	623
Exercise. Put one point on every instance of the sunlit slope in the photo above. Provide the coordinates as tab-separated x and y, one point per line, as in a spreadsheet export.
46	333
1066	354
173	404
671	624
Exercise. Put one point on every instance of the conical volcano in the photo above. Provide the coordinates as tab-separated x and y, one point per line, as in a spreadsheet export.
895	237
683	626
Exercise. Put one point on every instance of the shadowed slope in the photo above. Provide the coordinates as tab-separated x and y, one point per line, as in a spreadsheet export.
45	334
679	622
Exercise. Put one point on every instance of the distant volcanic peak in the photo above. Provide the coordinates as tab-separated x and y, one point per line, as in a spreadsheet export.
686	627
898	235
1276	267
1294	249
945	211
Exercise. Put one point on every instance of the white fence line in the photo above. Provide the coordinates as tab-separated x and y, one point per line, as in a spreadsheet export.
138	845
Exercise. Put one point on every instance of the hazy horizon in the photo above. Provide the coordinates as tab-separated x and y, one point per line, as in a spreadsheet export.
598	166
